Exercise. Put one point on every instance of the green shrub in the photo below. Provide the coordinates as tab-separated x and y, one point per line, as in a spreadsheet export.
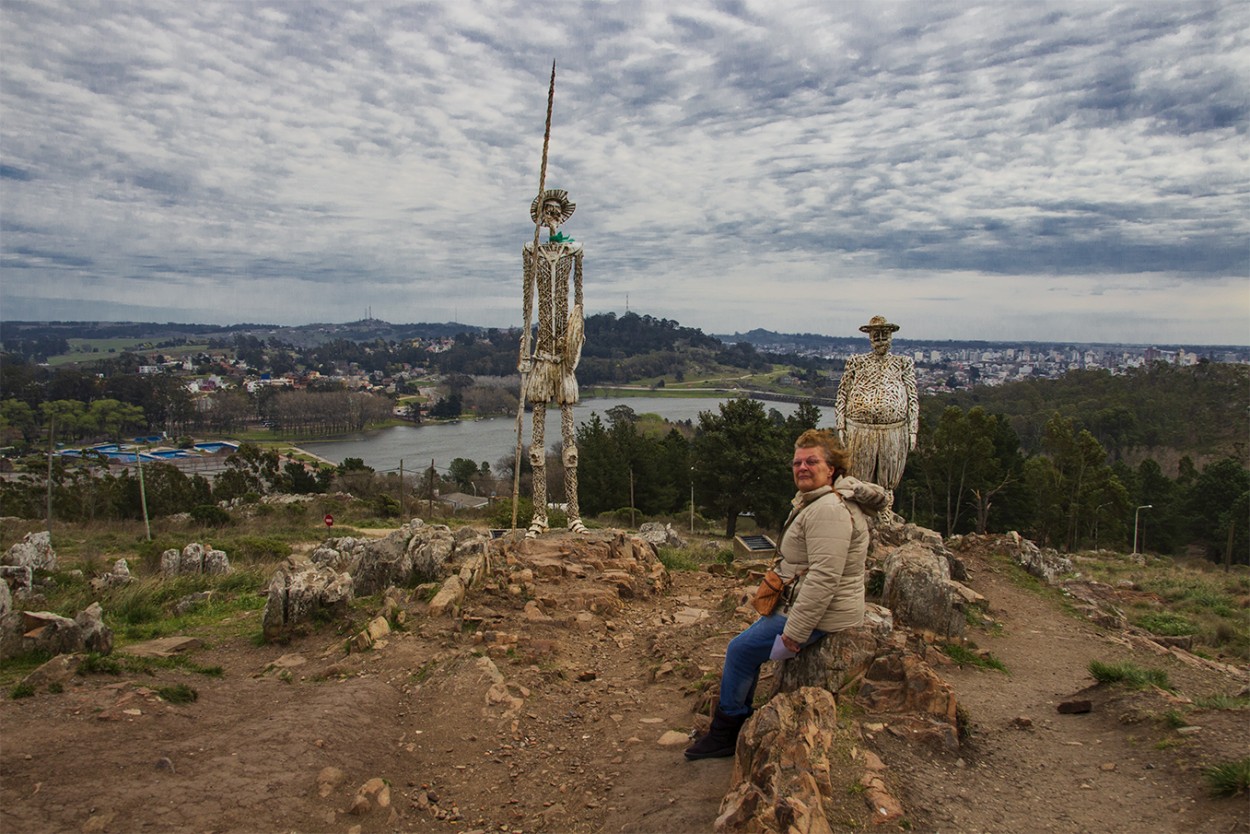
1229	778
22	690
137	607
386	506
211	515
1128	674
178	693
99	664
500	514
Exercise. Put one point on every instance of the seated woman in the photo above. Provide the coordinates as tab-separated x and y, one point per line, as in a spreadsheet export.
823	547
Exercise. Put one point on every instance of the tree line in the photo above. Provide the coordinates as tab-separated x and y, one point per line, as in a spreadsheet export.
968	474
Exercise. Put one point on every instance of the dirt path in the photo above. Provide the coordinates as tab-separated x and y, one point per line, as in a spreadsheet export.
517	724
1028	768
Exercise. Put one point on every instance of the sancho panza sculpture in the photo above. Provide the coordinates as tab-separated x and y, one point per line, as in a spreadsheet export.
878	411
547	369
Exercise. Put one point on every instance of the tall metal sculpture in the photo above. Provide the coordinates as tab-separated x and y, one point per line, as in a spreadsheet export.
547	365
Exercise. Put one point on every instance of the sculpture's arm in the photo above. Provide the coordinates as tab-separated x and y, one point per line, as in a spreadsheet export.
913	402
577	278
527	295
845	385
575	329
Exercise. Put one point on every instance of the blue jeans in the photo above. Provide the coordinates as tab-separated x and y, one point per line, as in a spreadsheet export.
743	659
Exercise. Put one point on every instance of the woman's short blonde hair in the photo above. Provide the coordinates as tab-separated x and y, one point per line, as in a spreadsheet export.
835	454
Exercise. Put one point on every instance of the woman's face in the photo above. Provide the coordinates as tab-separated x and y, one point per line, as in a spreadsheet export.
810	469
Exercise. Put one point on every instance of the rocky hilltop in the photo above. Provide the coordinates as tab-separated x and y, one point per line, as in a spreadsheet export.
550	685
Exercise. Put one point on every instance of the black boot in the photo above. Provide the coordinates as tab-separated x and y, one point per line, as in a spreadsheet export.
721	739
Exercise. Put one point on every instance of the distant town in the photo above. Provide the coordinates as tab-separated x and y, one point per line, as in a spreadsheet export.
947	365
254	356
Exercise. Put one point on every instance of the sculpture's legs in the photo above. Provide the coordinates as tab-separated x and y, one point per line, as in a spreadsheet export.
538	461
570	469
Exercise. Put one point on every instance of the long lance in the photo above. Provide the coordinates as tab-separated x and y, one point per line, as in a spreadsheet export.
525	335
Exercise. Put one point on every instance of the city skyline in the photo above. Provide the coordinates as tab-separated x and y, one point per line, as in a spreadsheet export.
1070	172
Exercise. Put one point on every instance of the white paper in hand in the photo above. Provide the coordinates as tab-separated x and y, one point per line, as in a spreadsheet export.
780	652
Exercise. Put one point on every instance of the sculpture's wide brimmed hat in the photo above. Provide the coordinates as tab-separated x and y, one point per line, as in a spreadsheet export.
553	195
878	323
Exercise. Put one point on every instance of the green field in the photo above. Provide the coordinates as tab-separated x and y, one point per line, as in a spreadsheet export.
91	350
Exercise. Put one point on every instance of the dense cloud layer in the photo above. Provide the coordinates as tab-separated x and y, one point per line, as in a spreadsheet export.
1015	170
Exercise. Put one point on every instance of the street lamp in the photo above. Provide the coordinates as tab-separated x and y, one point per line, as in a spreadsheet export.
1136	516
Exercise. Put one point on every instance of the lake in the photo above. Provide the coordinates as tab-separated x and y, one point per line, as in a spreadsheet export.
494	438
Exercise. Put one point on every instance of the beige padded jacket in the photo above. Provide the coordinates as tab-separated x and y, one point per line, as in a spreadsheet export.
826	540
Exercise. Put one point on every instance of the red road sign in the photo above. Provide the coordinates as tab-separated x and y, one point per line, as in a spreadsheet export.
329	520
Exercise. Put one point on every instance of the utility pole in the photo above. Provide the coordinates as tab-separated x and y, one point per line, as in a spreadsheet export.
143	494
402	512
632	523
51	449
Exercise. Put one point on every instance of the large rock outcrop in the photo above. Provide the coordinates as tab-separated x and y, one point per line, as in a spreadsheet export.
415	552
841	658
919	702
920	592
26	632
1045	563
194	558
34	551
784	770
300	590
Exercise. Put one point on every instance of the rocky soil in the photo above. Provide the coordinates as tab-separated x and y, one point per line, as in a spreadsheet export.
563	706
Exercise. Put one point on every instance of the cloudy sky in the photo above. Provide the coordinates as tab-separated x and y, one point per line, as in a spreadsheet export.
1013	170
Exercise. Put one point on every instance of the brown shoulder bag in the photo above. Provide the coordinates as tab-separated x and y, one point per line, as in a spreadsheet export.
769	593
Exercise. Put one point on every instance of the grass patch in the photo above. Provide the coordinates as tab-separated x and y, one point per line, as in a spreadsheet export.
1222	701
1175	719
96	664
13	670
178	693
1166	623
142	609
1129	674
99	664
678	559
965	656
423	674
1198	599
149	665
1228	778
21	690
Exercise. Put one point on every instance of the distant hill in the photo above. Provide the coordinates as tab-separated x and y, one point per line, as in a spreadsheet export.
39	339
773	342
1159	411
